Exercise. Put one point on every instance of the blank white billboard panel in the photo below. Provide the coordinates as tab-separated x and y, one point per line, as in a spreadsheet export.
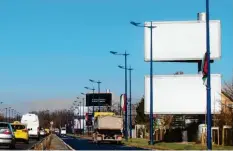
182	94
182	40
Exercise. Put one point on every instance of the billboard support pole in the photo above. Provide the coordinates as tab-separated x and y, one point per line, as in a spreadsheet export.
208	88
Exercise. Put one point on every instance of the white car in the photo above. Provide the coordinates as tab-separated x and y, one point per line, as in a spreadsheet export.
32	122
7	137
63	131
42	132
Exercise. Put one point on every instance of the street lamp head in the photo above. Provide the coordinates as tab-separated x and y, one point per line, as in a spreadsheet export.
86	87
130	68
83	93
99	81
122	67
134	23
91	80
77	97
113	52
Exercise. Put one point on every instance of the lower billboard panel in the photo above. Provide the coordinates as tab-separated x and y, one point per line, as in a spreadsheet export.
182	94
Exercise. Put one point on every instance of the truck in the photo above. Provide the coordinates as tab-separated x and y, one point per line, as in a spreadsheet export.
107	127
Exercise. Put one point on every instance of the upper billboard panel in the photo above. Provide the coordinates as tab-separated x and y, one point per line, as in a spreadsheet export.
102	99
182	40
182	94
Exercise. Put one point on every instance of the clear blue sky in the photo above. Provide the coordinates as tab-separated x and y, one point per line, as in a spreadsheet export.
50	48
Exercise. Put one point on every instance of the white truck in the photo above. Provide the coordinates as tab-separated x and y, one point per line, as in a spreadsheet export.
108	128
32	122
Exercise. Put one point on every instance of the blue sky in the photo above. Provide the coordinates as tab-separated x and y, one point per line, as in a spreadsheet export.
49	49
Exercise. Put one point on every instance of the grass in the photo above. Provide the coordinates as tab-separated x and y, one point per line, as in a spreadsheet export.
143	143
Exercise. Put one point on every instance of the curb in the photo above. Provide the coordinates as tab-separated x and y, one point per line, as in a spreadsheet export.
65	143
33	146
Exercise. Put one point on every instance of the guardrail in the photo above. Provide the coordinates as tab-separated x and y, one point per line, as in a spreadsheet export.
43	144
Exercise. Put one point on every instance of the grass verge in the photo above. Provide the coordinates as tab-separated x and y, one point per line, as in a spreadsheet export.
143	143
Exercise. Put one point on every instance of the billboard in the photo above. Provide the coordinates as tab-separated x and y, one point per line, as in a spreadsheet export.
182	94
104	99
80	110
182	40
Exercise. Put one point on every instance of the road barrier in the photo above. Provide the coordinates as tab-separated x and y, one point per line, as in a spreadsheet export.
43	144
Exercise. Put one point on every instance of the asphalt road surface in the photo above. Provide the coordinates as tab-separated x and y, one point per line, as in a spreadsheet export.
85	144
21	145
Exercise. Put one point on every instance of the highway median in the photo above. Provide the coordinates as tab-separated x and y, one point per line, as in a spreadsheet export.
51	142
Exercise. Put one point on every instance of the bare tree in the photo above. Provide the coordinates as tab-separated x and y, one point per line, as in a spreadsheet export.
226	115
228	89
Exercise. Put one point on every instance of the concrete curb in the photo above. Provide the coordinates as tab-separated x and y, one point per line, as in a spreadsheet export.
65	143
34	145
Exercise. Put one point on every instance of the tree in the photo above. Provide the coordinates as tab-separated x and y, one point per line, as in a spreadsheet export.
141	118
226	116
228	89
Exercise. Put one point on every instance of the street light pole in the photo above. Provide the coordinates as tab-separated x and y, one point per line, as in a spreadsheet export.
151	142
6	115
93	98
126	115
130	98
130	102
125	56
83	113
99	94
208	88
98	82
9	114
93	90
12	112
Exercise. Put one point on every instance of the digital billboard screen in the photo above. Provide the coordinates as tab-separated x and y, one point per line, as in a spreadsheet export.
98	99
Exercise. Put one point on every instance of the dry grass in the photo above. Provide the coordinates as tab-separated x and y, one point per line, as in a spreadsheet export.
143	143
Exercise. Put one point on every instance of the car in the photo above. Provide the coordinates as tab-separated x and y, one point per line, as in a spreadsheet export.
47	131
42	132
32	122
56	130
7	137
63	131
20	131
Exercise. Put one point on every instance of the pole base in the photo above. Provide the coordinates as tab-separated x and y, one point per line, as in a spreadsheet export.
151	143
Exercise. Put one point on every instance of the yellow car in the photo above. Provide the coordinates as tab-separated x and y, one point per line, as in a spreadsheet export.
20	131
47	131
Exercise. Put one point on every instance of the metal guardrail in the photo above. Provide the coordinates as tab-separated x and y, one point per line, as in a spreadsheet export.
43	144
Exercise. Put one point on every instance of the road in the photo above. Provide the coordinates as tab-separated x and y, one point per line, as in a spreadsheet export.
85	144
21	145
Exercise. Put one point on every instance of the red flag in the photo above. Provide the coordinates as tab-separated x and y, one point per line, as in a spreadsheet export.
123	102
205	69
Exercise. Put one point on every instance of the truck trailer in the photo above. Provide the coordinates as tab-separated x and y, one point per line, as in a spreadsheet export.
107	128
